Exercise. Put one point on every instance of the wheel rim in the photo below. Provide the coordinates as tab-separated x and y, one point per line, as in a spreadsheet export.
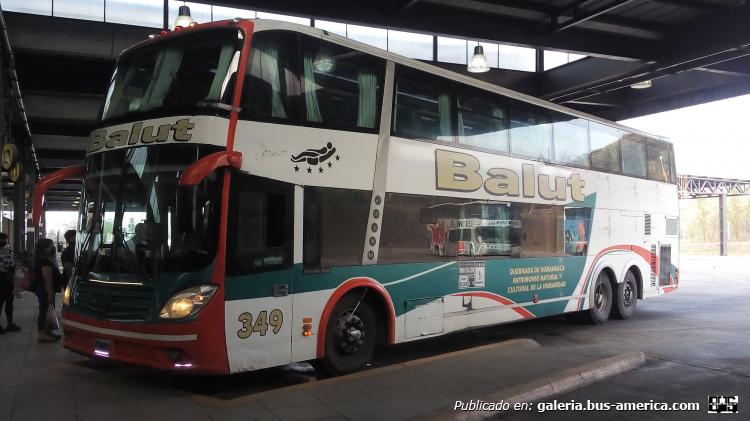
600	297
349	333
627	294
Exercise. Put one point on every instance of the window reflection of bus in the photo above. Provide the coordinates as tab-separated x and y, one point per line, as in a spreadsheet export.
475	229
577	222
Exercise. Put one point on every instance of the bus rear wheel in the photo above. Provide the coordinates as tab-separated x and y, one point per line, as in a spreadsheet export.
350	337
626	297
602	305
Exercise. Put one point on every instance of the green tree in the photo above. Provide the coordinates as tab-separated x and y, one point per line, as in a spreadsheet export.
702	214
735	216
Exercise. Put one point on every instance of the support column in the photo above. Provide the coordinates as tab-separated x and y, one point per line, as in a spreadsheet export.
723	226
19	205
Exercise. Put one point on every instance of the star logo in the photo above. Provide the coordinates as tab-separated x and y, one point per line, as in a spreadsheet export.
296	168
337	157
309	170
320	170
330	165
316	158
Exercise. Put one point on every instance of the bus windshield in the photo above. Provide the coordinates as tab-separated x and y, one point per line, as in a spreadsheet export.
127	219
177	75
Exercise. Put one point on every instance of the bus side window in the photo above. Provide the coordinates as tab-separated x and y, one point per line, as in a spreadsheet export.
271	88
422	106
334	224
342	86
530	133
605	148
633	155
259	237
482	120
660	167
571	140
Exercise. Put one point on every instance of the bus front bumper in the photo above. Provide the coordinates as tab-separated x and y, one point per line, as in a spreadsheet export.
186	347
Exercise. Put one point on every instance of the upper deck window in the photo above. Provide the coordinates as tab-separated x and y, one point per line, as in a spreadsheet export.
660	161
482	121
422	107
176	75
530	133
571	140
271	89
605	147
342	87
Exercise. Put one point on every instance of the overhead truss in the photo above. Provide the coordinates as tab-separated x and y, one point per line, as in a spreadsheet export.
695	186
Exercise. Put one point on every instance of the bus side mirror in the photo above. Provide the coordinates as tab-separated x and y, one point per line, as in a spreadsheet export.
187	208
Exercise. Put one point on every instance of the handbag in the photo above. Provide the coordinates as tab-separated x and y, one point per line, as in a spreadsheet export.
18	275
27	283
51	322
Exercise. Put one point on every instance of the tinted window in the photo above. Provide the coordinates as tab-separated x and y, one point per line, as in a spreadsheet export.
542	230
571	141
422	107
605	147
341	86
482	121
335	223
417	229
633	155
660	167
262	234
271	88
530	133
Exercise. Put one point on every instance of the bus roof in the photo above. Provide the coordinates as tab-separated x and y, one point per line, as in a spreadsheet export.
266	25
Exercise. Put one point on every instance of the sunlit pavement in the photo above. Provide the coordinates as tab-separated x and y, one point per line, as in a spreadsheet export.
696	340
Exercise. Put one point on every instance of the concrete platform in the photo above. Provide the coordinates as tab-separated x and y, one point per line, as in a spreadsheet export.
47	382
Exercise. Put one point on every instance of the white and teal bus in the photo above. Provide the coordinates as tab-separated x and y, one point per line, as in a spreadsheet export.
254	195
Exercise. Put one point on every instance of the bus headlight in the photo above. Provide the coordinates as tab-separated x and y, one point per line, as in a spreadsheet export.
187	302
66	297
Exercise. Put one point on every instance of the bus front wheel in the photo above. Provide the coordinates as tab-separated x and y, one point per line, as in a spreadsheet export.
602	305
350	337
626	297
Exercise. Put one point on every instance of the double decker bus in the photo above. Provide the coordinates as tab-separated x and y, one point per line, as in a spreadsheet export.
254	193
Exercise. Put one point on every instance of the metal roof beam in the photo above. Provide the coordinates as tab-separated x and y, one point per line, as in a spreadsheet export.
580	17
698	5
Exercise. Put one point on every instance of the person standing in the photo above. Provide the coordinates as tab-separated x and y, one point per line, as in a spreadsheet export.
67	258
48	280
8	265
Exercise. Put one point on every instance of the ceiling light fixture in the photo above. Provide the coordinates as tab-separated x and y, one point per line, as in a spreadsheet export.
641	85
478	62
183	18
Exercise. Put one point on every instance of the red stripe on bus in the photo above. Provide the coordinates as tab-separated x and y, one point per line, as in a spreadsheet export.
669	289
248	27
646	254
500	299
343	289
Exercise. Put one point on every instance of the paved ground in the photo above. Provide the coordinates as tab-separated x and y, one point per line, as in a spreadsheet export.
696	341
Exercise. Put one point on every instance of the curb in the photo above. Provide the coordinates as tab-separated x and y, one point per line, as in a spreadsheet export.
564	382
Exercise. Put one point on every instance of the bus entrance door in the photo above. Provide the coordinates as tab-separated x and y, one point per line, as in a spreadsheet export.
259	273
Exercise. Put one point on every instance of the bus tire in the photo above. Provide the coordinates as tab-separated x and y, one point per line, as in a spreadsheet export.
602	297
626	297
350	338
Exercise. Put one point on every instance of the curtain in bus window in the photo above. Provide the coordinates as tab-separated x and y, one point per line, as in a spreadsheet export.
227	65
167	64
571	141
422	111
605	147
368	97
312	110
481	124
530	134
633	155
341	85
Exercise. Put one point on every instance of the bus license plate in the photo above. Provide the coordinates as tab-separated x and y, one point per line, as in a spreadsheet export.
101	347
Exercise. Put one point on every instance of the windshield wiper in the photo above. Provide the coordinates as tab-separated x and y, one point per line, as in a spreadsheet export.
218	105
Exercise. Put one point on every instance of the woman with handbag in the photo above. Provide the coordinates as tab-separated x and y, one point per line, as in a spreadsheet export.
48	281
